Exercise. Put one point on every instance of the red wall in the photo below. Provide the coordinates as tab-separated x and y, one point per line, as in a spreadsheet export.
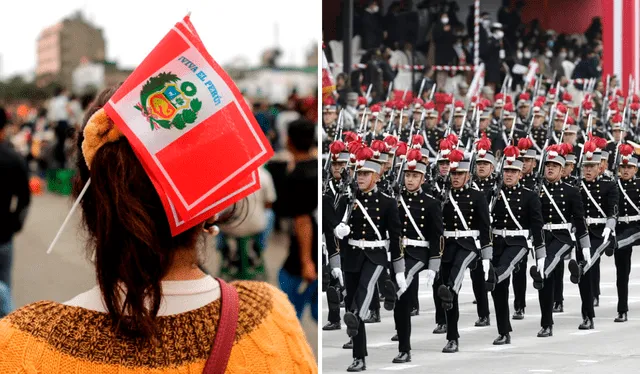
563	16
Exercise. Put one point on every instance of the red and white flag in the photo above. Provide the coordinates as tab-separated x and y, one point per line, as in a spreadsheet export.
621	40
328	84
191	129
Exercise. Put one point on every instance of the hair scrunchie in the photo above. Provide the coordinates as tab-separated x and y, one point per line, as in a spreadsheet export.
98	131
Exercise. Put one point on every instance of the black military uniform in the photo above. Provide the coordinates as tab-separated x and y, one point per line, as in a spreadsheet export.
432	139
374	216
330	220
466	236
330	130
559	240
529	180
627	235
501	139
600	200
517	227
421	222
539	137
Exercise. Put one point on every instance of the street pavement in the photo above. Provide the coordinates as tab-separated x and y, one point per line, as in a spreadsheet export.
610	347
67	271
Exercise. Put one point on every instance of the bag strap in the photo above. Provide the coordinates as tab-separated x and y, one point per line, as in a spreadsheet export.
226	332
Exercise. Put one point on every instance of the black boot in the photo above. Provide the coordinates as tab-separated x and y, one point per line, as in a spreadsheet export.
451	347
576	271
502	340
357	365
622	317
374	317
558	308
394	338
402	357
537	279
483	322
518	314
444	293
348	345
330	326
352	322
545	332
440	329
389	292
596	301
415	312
490	283
587	324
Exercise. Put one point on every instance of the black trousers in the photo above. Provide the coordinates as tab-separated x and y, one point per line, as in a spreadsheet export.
556	252
520	285
595	278
402	311
504	263
622	259
586	287
479	290
452	276
441	318
558	294
360	289
61	131
334	313
415	303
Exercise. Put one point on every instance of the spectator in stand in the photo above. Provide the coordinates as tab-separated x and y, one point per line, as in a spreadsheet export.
372	32
595	29
588	67
14	187
443	39
299	274
342	88
492	56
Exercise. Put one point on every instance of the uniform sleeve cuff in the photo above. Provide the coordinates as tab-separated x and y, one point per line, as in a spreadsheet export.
611	224
334	261
434	264
487	252
398	266
541	252
585	242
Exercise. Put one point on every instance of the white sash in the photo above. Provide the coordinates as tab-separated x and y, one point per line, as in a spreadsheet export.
368	218
593	201
553	202
627	197
426	142
461	216
513	217
406	209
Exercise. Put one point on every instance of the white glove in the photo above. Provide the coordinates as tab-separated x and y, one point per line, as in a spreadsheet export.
402	283
540	266
502	54
586	253
341	230
485	266
337	273
605	234
431	277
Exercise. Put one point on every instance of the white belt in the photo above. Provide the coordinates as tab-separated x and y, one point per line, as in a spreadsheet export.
461	234
415	243
367	243
627	219
504	233
557	226
596	221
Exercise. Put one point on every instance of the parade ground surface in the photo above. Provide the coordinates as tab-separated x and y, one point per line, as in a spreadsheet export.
66	272
609	348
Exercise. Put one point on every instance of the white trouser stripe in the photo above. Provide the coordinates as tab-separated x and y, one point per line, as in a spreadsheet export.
371	288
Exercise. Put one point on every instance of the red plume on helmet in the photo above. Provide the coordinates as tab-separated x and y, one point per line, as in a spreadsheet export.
511	153
391	141
587	105
399	104
417	141
376	108
413	157
524	97
617	118
541	98
418	101
634	107
524	144
635	98
508	107
429	105
445	146
589	149
486	103
483	145
335	148
350	137
455	156
626	152
354	147
567	148
329	101
570	121
401	150
363	154
601	143
378	147
552	91
362	100
619	93
499	97
453	138
474	99
480	107
567	97
613	106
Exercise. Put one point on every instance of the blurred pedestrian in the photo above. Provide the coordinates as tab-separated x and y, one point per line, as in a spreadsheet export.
58	116
444	39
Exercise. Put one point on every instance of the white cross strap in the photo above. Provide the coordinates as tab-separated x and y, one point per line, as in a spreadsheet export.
413	222
366	215
627	197
593	201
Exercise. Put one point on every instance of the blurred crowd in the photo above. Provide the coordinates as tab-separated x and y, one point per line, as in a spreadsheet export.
426	34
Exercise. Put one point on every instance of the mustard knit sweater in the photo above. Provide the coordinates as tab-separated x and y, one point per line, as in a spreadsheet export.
51	338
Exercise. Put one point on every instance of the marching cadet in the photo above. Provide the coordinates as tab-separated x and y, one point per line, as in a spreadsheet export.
484	181
569	167
628	227
529	157
558	123
376	124
330	199
466	236
432	134
329	125
617	130
600	201
373	215
458	118
500	100
516	219
421	222
561	209
538	129
524	103
502	139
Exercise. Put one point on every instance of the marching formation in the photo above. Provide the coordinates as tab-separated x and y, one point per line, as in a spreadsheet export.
439	187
